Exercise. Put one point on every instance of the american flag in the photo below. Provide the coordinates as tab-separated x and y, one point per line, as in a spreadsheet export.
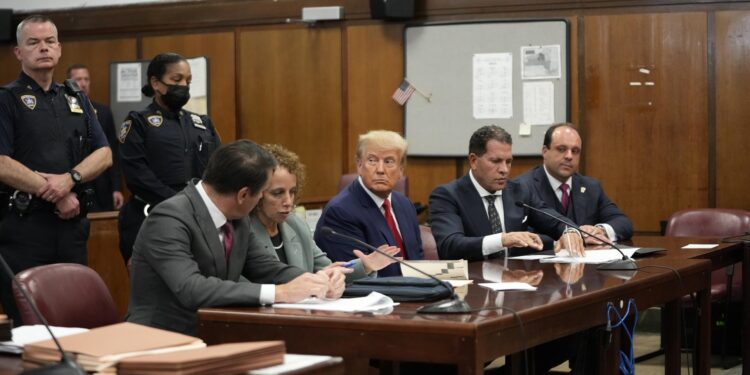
403	92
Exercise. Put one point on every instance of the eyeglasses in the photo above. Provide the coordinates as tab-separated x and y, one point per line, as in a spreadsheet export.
388	163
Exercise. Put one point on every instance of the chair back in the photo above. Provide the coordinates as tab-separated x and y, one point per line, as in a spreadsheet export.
713	222
429	247
402	186
708	222
67	295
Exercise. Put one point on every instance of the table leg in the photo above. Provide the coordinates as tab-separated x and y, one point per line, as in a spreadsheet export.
703	334
671	327
746	308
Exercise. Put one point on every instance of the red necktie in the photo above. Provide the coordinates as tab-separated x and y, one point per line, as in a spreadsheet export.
392	225
565	199
228	230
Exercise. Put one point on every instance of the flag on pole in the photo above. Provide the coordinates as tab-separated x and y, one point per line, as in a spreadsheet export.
403	92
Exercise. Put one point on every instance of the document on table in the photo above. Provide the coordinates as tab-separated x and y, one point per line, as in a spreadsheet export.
372	302
704	246
591	256
508	286
532	257
294	362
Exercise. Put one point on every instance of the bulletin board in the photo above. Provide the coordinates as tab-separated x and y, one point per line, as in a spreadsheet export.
127	77
514	74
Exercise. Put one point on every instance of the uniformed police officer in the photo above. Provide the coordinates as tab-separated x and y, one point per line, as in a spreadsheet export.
163	146
48	149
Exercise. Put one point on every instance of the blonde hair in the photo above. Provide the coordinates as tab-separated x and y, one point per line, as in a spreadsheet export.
385	139
289	160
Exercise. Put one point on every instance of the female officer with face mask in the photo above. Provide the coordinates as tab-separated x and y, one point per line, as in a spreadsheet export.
163	146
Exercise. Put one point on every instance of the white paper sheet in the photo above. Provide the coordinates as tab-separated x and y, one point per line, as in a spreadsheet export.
129	82
539	103
591	256
292	362
372	302
508	286
493	85
700	246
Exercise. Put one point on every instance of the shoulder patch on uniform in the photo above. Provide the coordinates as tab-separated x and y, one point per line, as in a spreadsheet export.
29	101
124	130
155	120
197	121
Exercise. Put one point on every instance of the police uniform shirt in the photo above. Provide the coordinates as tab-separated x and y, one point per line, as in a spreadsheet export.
41	129
160	150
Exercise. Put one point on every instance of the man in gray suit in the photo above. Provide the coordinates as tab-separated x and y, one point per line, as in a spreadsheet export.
193	248
580	198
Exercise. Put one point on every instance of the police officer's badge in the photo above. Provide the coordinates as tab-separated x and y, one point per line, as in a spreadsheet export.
197	121
155	120
29	101
124	129
73	104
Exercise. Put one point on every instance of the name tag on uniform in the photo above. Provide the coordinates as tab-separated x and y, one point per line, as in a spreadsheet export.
197	121
73	104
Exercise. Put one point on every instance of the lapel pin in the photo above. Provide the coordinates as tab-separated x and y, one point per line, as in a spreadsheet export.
583	189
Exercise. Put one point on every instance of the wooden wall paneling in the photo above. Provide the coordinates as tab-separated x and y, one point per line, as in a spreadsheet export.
374	69
648	144
732	110
291	93
104	257
219	48
11	67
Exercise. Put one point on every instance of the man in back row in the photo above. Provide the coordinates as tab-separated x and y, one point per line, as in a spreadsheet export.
579	198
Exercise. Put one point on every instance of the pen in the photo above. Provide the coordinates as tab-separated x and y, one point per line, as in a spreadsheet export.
349	264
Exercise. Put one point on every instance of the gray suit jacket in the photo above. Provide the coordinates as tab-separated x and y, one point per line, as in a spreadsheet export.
299	247
178	266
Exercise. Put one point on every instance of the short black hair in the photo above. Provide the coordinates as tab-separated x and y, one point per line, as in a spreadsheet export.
239	164
478	141
548	134
158	67
74	67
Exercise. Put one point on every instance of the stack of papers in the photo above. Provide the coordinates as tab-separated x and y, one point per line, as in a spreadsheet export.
590	257
101	348
372	302
442	269
222	359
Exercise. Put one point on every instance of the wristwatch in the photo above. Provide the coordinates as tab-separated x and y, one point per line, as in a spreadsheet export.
76	176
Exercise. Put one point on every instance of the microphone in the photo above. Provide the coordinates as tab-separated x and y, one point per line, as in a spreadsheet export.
66	366
452	305
624	264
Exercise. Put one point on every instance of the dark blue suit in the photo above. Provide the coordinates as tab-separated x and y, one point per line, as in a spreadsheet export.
590	205
354	213
459	220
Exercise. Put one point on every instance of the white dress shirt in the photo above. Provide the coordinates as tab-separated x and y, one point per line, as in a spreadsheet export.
494	242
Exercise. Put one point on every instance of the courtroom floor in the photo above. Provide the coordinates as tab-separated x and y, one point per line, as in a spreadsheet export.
647	342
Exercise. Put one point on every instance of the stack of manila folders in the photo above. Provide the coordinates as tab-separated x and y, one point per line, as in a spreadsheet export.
128	348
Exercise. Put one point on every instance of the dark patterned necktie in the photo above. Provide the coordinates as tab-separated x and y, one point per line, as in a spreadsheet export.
497	225
228	230
565	199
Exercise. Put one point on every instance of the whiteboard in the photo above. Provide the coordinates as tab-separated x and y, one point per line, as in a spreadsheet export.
468	75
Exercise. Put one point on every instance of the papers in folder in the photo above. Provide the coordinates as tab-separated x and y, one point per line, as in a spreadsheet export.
101	348
591	256
372	302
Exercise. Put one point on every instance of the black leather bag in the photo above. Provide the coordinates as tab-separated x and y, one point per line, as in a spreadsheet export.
400	288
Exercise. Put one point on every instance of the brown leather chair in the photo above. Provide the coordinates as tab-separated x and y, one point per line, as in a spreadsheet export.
726	284
429	247
68	295
402	186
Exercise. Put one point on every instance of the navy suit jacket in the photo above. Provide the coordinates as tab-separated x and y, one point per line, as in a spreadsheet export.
591	205
459	220
353	212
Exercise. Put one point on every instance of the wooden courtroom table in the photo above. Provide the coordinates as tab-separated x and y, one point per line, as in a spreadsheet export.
724	255
557	309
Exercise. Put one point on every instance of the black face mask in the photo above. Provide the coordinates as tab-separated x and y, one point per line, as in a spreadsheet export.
176	96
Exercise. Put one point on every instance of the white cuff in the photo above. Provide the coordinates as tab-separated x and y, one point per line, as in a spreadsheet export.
267	294
492	244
